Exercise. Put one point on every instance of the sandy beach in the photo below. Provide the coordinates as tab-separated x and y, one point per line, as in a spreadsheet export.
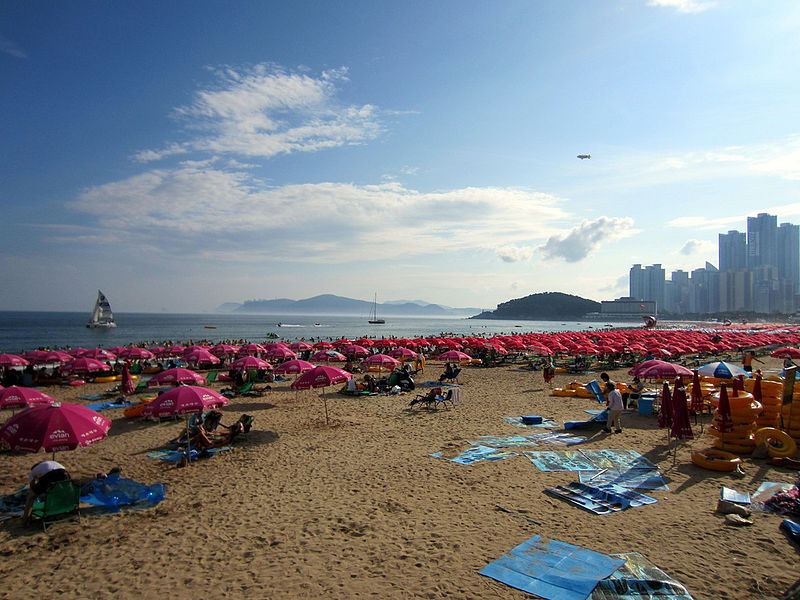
358	508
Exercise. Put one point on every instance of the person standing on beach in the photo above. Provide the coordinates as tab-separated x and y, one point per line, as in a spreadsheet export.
747	360
548	370
614	404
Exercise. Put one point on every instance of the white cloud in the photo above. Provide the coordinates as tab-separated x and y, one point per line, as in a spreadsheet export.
264	111
512	254
11	48
232	216
580	241
683	6
692	247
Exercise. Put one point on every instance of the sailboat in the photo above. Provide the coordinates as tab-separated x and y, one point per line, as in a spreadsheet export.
373	313
102	317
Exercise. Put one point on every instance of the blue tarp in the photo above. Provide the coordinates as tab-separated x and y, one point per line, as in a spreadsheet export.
632	479
639	579
588	460
115	491
517	422
478	454
551	569
109	404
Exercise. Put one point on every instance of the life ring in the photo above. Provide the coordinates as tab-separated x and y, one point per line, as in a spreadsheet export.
77	382
779	443
135	410
734	446
107	378
734	437
716	460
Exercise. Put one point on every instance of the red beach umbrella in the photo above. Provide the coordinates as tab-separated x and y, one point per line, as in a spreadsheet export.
786	352
184	400
697	394
53	357
724	419
681	428
664	370
402	354
300	346
328	356
22	397
54	428
323	345
176	376
126	385
197	357
665	411
136	353
100	354
355	350
280	354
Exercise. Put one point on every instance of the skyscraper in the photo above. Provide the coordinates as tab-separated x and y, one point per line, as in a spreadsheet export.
789	254
732	251
762	240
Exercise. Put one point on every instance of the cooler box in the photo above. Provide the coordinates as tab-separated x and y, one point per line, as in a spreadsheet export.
646	405
532	419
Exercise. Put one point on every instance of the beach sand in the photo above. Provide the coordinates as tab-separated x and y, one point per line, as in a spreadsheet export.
359	509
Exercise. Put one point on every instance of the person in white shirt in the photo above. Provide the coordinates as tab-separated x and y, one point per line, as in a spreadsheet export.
614	403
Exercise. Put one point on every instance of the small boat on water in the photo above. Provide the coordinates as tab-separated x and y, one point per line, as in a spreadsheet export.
102	317
373	313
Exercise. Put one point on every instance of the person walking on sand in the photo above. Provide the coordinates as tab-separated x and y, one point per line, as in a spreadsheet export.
548	370
747	360
614	404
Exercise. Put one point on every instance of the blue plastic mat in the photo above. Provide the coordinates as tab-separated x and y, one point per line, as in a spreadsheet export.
639	579
551	569
517	422
477	454
177	455
93	397
552	438
505	441
594	387
599	417
791	529
115	491
588	460
632	479
110	404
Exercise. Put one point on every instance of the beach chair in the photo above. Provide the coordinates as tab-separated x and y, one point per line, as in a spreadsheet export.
61	502
211	376
452	377
428	400
141	387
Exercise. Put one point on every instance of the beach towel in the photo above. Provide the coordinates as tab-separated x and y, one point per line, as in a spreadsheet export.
588	460
115	491
177	455
517	422
110	404
632	479
551	569
94	397
477	454
638	579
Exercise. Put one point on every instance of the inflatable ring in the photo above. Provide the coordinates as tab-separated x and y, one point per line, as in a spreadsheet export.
736	448
584	393
737	429
779	443
716	460
77	382
736	437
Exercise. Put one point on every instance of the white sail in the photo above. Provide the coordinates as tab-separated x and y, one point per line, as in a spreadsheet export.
101	314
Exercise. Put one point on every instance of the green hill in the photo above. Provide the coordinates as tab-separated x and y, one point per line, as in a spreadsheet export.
547	306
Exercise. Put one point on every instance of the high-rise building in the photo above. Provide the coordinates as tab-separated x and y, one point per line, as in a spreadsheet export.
647	283
732	251
789	255
762	240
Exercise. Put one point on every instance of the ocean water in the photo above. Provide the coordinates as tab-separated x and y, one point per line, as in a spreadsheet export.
21	331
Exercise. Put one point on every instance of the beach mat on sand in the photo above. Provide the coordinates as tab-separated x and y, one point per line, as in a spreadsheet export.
597	500
477	454
110	404
638	579
546	437
517	422
177	455
551	569
632	479
93	397
588	460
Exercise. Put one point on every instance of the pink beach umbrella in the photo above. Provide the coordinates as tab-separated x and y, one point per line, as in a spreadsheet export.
198	357
126	385
301	346
328	356
222	350
321	376
85	366
22	397
323	345
664	370
354	350
53	357
280	354
184	400
294	366
382	360
681	428
54	428
136	353
176	376
12	360
403	354
250	363
454	355
251	350
99	354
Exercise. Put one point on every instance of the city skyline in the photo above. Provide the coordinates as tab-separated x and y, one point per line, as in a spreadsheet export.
181	155
759	271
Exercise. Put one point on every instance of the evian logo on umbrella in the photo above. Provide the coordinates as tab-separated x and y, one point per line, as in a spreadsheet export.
98	420
13	428
58	434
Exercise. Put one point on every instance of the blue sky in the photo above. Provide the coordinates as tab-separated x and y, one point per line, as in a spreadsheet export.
179	155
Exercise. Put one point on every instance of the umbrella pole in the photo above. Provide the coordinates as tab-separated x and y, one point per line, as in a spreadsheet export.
325	402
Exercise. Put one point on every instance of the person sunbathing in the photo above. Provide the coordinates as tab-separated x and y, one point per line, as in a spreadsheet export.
205	440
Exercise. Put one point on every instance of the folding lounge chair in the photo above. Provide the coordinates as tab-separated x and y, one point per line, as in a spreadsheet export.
453	376
211	377
60	503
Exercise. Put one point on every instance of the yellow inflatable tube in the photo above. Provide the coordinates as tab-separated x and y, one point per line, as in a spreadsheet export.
716	460
779	443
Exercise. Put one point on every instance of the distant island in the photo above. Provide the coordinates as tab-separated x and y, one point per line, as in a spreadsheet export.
547	306
329	304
